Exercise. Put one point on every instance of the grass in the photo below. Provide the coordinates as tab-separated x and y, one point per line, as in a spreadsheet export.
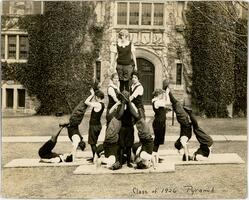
228	181
60	183
47	125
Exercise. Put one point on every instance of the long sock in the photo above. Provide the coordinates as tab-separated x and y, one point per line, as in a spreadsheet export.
121	156
94	149
128	152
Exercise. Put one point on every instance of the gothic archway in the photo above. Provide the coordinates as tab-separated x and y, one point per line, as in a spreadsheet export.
152	71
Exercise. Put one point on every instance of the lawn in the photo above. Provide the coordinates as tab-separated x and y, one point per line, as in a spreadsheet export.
47	125
218	181
206	181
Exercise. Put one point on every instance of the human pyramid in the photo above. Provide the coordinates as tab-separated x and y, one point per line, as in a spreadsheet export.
125	110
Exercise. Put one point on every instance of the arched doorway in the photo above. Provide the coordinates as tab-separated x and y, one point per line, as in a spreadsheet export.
147	72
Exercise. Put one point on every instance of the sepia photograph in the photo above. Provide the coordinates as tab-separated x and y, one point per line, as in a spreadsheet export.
124	99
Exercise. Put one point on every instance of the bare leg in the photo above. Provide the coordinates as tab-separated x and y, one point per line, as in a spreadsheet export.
121	153
54	137
184	140
75	142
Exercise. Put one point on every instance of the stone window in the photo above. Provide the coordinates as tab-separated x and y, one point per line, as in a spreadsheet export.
146	13
140	14
158	14
16	48
122	13
179	74
16	7
98	70
2	46
9	98
21	97
12	47
134	14
24	47
13	96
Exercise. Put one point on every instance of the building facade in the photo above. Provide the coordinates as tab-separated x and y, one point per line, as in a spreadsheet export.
156	28
14	49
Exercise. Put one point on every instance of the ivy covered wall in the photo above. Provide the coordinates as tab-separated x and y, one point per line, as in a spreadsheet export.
64	45
210	40
240	69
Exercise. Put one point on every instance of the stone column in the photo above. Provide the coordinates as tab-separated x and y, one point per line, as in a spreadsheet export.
6	47
3	97
17	47
15	98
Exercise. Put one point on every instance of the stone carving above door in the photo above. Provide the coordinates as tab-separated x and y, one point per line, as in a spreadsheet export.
147	38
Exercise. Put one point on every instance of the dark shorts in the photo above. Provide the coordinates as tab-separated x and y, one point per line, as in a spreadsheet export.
93	134
45	151
74	130
186	131
178	144
126	136
159	128
147	145
124	72
110	149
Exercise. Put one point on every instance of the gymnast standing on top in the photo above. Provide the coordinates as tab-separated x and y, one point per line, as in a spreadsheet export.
122	58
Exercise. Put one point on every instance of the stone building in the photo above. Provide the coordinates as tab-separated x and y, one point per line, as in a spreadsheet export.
14	49
156	28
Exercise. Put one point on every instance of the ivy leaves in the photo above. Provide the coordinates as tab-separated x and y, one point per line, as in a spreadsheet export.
210	37
60	65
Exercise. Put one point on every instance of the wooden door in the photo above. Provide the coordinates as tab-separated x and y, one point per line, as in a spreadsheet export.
146	70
